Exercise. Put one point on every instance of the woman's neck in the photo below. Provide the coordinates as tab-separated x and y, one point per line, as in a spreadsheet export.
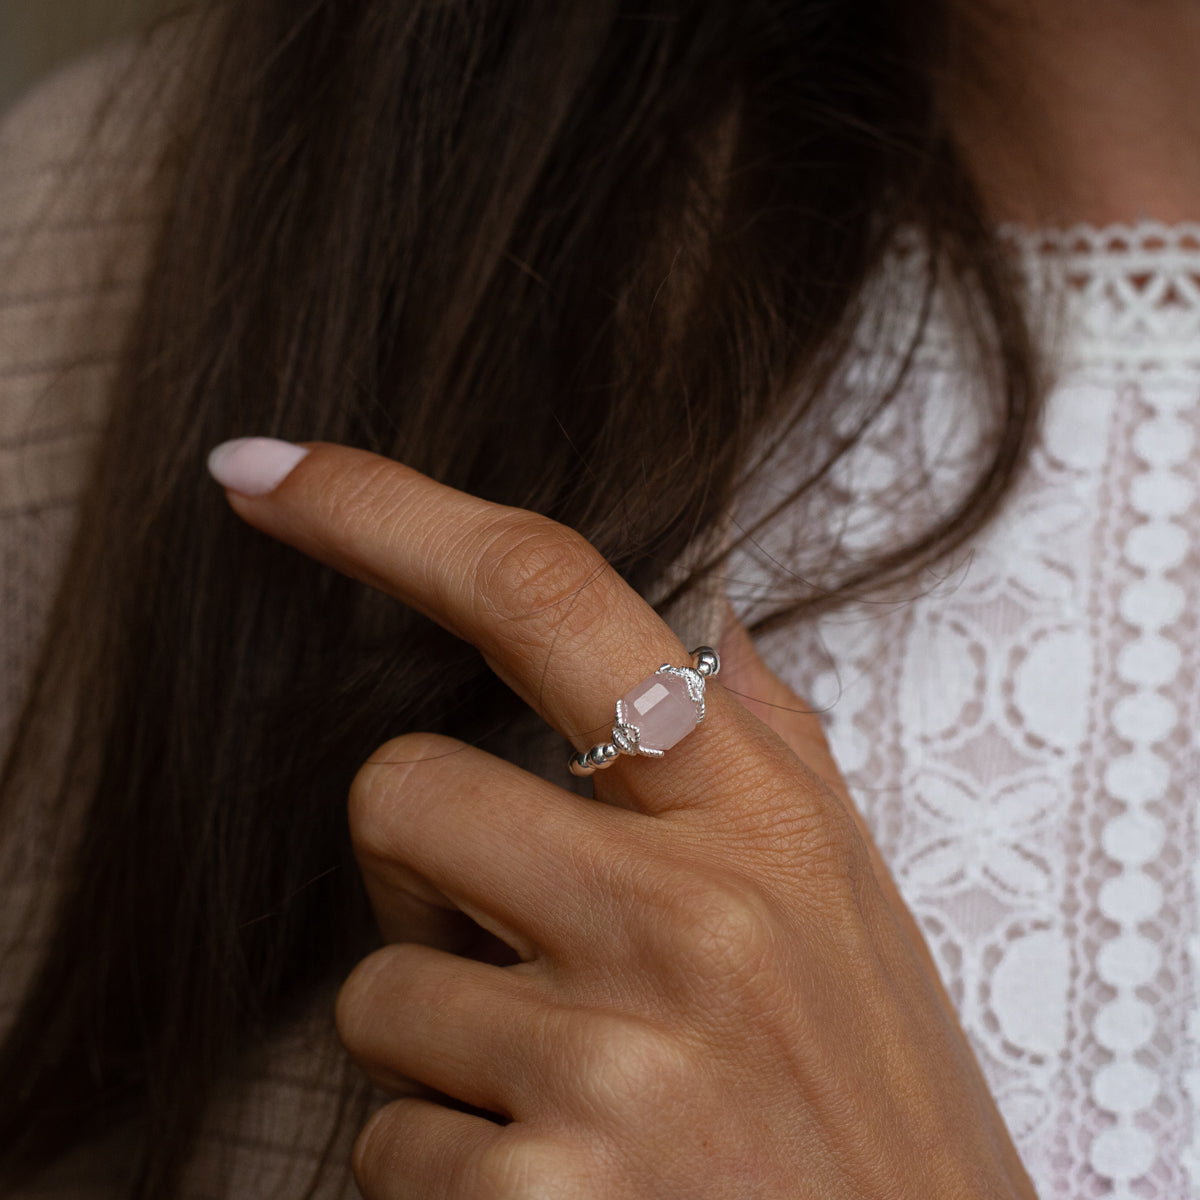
1083	110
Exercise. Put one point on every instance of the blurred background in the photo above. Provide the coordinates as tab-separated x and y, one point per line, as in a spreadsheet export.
38	35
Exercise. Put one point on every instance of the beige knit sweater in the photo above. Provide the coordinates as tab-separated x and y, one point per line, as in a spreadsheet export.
77	222
78	214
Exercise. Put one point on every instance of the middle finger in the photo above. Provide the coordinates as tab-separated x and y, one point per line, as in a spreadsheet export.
527	861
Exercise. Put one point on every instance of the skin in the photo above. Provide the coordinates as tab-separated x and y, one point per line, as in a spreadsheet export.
712	988
1082	110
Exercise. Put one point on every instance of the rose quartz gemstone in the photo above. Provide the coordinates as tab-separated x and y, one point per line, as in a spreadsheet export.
662	710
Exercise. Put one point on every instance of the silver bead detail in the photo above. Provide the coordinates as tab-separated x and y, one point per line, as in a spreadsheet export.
601	756
706	660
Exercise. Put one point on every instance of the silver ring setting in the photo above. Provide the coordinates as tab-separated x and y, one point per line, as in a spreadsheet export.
651	718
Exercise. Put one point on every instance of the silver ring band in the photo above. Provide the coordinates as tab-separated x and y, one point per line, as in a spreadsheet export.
661	711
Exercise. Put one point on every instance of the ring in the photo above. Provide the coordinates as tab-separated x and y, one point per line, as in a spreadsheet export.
662	710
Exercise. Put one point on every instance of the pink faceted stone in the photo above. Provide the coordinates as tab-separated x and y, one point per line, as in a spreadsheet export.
662	710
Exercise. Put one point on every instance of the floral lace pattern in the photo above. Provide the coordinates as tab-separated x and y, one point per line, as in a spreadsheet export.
1023	736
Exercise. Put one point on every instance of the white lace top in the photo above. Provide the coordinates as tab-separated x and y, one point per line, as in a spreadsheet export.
1024	736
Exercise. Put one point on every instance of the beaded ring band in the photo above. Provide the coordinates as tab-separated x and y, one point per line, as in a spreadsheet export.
662	710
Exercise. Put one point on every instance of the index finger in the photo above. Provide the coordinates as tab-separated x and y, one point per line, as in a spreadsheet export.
551	617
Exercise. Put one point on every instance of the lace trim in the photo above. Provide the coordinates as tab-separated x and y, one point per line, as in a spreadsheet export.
1084	243
1130	962
1124	295
1102	296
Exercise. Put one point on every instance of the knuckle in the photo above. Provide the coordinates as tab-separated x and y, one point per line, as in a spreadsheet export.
722	931
512	1168
368	991
626	1065
373	1159
397	769
532	567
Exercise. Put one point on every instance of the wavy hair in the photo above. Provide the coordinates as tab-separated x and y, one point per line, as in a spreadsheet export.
578	256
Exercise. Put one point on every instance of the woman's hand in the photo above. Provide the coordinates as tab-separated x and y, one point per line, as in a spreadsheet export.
718	994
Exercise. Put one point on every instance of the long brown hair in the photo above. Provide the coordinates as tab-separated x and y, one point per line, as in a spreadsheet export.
571	255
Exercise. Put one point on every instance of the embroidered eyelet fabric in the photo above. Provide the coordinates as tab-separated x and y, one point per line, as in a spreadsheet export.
1020	730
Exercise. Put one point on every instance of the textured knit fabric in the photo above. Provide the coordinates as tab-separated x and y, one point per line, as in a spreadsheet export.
80	204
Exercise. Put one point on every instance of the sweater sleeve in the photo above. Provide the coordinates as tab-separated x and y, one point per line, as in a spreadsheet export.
79	200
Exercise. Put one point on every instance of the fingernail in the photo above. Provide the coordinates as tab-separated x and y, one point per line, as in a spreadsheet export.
253	466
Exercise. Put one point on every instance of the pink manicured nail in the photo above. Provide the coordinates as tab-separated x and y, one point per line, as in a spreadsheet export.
253	466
